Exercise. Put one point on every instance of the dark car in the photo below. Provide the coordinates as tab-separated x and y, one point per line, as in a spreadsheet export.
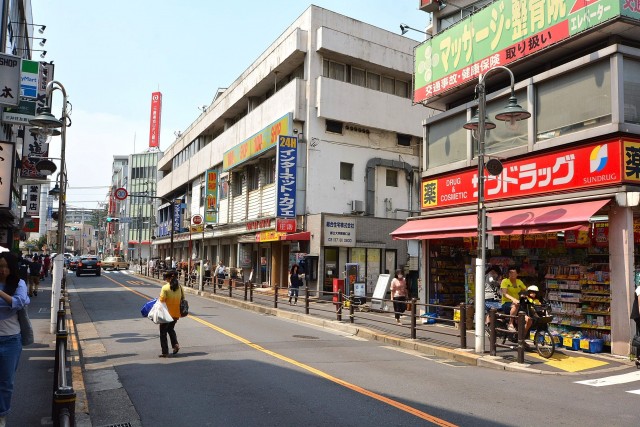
88	264
73	263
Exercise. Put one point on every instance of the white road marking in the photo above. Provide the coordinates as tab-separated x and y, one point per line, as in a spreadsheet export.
612	380
634	391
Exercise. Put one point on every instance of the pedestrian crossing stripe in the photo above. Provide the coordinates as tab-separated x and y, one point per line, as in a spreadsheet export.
570	363
634	391
613	380
135	282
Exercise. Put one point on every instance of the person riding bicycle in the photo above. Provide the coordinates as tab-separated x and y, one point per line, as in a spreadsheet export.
511	287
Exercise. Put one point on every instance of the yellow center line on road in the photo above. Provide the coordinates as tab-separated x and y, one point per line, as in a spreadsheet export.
413	411
357	389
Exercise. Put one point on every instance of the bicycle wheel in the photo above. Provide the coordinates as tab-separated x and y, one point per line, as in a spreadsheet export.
543	341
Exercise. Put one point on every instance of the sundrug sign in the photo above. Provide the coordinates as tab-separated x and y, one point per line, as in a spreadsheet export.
575	168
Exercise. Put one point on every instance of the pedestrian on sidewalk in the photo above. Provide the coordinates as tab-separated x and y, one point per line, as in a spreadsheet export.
220	274
34	276
399	294
46	264
13	297
171	294
294	284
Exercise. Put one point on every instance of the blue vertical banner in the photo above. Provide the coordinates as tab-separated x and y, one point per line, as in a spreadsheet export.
287	161
177	217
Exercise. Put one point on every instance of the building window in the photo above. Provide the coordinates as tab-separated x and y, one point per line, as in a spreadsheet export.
346	171
373	81
253	181
334	70
631	71
559	111
238	182
388	85
269	168
392	178
358	77
203	191
334	126
402	88
447	141
404	140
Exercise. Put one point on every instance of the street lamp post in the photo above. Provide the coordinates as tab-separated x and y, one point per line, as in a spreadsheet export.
46	120
480	124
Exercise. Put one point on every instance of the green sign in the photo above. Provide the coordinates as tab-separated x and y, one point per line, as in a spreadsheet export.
503	32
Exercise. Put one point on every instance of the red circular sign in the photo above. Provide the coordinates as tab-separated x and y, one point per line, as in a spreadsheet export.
121	193
196	219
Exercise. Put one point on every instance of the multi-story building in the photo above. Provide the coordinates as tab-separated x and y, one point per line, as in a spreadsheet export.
564	207
116	232
342	88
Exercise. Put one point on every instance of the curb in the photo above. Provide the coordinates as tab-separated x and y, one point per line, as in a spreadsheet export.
82	418
457	354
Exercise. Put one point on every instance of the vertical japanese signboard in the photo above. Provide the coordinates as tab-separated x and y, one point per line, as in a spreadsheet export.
177	215
6	166
10	67
33	200
503	32
211	210
287	160
154	121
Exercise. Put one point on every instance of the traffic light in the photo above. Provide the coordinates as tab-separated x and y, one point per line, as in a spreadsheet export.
110	219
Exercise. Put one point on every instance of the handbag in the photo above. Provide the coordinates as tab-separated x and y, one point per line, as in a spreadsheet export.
184	305
26	331
159	313
146	308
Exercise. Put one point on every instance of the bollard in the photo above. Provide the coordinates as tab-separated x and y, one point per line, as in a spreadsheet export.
231	281
339	312
215	282
463	325
245	290
306	300
250	291
64	404
492	331
275	297
521	326
351	316
413	318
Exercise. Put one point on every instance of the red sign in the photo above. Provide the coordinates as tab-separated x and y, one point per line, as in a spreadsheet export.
287	225
156	113
255	225
573	168
196	219
31	225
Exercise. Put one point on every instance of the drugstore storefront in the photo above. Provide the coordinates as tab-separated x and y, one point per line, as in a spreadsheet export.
566	218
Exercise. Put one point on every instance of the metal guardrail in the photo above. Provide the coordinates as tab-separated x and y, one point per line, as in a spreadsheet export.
338	303
494	330
64	397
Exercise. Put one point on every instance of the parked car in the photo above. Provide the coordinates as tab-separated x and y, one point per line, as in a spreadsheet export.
73	263
88	264
115	263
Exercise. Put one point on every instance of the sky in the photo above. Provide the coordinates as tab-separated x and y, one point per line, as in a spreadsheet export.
111	55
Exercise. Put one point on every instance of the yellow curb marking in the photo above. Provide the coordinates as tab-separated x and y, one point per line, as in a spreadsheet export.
570	363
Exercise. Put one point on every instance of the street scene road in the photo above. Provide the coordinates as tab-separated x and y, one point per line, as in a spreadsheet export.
242	368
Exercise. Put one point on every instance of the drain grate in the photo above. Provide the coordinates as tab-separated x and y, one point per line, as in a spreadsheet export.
306	337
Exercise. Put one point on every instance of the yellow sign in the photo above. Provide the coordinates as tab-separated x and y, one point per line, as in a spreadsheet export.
269	236
197	228
430	193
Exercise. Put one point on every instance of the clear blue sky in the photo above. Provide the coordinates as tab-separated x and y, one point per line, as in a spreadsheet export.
111	55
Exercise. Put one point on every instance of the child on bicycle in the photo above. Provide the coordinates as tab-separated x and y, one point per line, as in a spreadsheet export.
531	307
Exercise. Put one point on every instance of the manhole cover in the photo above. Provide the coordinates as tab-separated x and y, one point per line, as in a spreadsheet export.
305	337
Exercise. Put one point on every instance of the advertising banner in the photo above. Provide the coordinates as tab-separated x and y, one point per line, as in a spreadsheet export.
33	200
258	143
503	32
34	148
154	121
287	161
339	231
211	210
30	94
10	69
6	166
574	168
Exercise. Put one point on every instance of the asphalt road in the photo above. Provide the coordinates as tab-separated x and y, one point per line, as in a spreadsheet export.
242	368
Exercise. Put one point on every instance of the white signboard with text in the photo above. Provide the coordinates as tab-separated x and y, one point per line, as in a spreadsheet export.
339	231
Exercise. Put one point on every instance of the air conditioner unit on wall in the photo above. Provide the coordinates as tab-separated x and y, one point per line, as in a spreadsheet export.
357	206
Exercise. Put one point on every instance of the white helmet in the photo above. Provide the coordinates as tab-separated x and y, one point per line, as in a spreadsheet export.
533	288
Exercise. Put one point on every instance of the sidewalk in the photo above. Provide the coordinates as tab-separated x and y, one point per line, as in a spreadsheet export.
436	340
33	394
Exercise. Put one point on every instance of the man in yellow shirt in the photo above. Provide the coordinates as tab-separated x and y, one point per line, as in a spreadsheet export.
510	288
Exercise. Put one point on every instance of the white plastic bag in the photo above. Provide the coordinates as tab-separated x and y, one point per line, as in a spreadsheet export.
160	313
